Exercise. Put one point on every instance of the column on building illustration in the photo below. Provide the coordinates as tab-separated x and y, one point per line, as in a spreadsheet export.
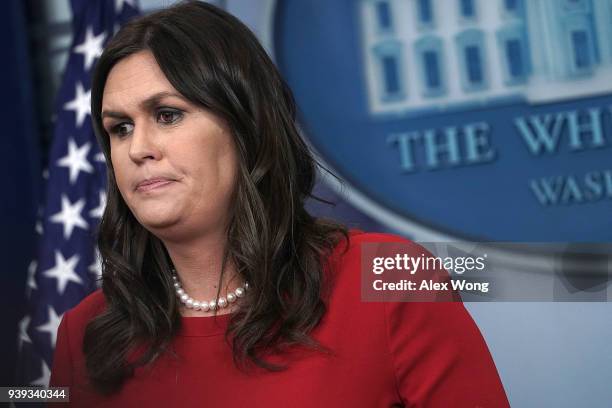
602	14
563	38
571	44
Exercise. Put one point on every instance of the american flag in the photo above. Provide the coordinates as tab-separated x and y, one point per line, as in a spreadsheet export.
66	266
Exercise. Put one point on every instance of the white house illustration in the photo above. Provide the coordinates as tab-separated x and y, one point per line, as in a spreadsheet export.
431	55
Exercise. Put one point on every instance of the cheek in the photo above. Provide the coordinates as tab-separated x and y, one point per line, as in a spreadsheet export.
229	170
119	170
226	167
214	174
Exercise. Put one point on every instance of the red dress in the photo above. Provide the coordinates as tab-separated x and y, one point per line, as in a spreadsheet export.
385	355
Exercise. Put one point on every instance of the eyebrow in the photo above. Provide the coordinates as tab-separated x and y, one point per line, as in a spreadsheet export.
147	104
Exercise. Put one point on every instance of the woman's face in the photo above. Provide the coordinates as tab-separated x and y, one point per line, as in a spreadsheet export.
175	163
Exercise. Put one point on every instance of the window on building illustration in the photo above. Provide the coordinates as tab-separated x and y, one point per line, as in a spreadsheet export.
472	59
432	69
389	71
514	54
581	49
467	8
511	5
514	57
473	62
383	16
391	74
425	12
429	58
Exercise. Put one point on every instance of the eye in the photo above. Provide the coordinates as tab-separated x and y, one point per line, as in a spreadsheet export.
169	117
121	129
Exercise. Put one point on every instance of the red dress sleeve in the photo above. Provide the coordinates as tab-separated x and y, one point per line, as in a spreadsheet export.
440	357
61	372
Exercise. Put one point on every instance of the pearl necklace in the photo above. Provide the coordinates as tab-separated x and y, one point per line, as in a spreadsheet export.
205	306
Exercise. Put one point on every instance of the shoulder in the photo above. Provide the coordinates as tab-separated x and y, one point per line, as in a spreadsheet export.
351	250
90	306
350	264
79	316
344	263
68	359
358	235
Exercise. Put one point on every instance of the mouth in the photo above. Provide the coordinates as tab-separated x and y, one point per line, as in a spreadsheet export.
153	184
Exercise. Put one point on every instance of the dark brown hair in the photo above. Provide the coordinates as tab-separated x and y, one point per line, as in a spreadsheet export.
216	62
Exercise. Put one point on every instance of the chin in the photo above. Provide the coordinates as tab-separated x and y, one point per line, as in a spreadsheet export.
157	221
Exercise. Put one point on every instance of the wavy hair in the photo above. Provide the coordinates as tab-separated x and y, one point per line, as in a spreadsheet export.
216	62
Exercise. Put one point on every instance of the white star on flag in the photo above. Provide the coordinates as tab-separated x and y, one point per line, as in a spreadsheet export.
76	160
80	104
99	157
23	332
91	47
52	324
38	227
70	216
119	4
43	380
99	210
31	282
96	267
63	271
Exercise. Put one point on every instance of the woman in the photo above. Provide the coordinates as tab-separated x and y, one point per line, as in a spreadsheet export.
218	286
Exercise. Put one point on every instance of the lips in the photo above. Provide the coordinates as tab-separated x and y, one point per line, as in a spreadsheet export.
153	183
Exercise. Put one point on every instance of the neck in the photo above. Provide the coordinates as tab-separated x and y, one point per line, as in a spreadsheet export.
198	265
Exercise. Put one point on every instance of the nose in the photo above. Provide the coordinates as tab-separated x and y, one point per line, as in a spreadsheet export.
143	146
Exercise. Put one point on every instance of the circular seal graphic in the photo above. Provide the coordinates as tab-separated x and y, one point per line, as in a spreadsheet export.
488	124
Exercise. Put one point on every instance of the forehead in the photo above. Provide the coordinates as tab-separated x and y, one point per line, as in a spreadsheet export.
132	80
